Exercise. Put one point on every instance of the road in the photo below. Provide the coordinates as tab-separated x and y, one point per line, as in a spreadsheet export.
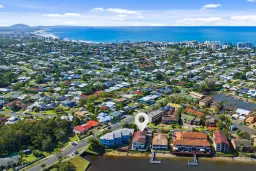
21	114
54	158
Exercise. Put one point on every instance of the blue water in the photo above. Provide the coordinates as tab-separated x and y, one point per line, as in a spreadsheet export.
157	34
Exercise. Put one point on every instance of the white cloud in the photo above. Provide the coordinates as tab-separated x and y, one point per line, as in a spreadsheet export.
63	15
208	19
97	9
243	18
121	11
1	6
53	15
251	0
72	14
210	6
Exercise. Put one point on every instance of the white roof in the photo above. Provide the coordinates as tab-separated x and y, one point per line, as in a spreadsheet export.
242	111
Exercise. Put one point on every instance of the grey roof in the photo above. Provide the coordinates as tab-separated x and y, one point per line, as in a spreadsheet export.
245	142
155	113
118	134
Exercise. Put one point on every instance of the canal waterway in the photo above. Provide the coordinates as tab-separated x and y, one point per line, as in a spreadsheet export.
102	163
232	101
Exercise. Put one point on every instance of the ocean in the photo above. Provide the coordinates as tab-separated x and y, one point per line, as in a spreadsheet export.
156	34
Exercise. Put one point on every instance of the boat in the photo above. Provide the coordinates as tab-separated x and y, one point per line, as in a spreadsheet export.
195	162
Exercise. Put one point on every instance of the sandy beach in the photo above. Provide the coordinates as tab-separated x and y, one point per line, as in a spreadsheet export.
44	33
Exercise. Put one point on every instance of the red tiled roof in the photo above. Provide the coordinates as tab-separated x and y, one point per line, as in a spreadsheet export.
204	143
194	135
84	96
139	137
194	112
138	92
90	124
219	137
98	92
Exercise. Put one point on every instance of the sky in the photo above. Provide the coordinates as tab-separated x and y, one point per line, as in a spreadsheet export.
128	12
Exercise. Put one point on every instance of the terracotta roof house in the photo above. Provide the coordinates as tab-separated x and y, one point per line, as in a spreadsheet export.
221	143
80	129
251	119
160	141
194	112
139	140
200	147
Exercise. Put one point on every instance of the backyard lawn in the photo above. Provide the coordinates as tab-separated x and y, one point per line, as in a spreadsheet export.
29	158
80	163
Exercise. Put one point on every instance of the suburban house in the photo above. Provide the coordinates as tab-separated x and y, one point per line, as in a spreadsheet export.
205	102
221	143
160	141
68	103
156	115
139	140
187	118
194	112
243	145
80	129
210	121
117	138
251	119
169	119
196	95
241	114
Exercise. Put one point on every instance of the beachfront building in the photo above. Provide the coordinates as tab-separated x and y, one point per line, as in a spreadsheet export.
221	143
139	140
117	138
191	142
160	141
242	145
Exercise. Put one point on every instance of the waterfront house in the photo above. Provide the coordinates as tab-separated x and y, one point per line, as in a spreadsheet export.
155	115
160	141
117	138
242	145
221	143
80	129
191	146
139	140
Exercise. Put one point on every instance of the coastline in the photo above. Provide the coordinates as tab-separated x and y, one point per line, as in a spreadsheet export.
171	156
44	33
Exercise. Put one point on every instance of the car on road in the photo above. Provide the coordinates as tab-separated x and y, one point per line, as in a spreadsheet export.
73	143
